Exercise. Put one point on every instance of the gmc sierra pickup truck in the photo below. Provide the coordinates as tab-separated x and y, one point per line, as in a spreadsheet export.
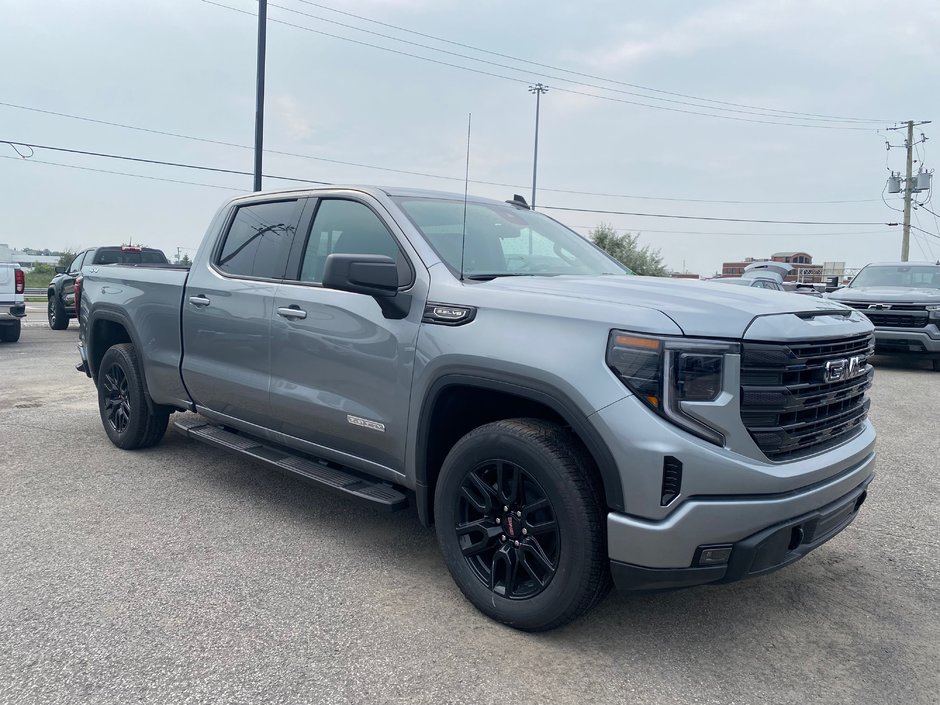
560	422
902	300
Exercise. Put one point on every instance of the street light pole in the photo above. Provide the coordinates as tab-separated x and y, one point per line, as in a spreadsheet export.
538	89
259	90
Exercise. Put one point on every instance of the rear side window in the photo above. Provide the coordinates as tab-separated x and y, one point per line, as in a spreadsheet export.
259	240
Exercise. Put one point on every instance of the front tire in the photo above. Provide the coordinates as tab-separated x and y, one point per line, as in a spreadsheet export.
10	333
520	519
936	364
58	318
122	401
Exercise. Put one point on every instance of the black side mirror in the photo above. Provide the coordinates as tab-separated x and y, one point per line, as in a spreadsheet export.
60	270
372	275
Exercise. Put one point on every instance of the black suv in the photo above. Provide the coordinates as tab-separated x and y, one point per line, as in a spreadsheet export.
62	287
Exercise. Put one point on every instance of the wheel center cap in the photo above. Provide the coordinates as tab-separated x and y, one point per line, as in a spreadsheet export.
512	526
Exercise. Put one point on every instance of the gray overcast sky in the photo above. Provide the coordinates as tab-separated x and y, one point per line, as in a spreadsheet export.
186	66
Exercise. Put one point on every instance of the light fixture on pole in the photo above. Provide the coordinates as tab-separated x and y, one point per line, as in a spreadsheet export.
538	89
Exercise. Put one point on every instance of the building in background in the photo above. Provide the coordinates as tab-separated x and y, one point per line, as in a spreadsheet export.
802	262
8	254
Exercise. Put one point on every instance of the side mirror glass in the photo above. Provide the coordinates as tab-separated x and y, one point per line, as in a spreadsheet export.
372	275
60	270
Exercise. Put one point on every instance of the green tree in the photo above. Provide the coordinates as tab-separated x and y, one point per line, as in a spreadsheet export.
186	260
625	248
66	257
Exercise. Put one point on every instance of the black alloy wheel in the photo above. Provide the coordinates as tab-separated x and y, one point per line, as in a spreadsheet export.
117	403
129	419
507	530
521	521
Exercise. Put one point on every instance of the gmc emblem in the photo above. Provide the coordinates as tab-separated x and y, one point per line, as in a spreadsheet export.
844	368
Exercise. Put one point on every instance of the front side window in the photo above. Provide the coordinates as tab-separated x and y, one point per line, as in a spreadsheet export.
906	276
259	240
76	264
504	240
348	227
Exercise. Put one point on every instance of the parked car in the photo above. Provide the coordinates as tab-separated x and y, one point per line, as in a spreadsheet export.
902	300
559	421
61	294
12	303
769	275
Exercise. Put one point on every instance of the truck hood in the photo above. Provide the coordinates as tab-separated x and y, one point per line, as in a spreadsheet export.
698	308
887	294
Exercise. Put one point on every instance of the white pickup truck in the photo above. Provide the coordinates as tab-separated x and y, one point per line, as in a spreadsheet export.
12	304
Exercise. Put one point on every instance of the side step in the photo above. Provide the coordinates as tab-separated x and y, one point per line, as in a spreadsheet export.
330	476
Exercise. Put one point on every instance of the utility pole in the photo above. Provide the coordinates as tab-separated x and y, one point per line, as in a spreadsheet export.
911	186
908	190
538	89
259	90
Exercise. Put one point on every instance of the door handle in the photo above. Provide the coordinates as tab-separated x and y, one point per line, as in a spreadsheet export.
201	300
291	312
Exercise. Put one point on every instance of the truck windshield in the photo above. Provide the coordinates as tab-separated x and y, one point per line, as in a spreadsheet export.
504	240
906	276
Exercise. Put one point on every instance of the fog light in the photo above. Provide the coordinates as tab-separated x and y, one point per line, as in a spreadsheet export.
714	555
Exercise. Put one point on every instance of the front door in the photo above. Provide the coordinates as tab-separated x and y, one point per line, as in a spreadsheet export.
227	309
340	370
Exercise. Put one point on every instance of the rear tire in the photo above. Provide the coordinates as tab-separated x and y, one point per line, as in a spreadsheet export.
58	318
520	518
10	332
122	401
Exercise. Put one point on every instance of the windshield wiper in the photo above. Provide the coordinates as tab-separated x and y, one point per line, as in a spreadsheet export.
494	275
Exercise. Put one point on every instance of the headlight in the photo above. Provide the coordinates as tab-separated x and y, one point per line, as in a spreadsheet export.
665	373
934	312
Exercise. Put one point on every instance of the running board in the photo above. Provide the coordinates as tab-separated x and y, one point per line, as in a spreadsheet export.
329	476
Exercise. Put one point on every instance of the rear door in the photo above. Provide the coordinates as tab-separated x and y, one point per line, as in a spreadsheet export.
227	309
340	369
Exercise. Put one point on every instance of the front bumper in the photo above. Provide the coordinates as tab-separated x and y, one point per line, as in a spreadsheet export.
771	548
908	340
12	311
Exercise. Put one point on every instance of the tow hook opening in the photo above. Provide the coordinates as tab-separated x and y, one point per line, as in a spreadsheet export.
796	538
861	500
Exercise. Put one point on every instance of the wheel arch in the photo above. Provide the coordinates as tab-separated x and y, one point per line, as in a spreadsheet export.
104	329
526	396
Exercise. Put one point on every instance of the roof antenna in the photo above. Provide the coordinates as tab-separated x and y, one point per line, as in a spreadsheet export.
466	185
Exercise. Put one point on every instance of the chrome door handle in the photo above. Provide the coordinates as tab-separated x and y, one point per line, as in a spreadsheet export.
291	312
201	300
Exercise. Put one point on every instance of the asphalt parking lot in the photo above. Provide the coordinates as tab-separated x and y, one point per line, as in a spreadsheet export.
181	575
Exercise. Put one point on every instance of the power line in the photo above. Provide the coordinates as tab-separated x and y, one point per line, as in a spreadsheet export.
123	157
704	217
207	140
156	161
527	81
120	173
554	78
587	75
641	230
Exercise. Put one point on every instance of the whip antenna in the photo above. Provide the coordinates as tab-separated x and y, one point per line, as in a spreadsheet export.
466	184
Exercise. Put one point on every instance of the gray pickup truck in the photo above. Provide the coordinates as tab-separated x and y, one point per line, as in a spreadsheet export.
902	300
559	421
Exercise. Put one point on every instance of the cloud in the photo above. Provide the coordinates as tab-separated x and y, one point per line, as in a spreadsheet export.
294	117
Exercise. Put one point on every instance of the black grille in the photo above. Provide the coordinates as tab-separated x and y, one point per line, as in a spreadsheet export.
895	315
788	406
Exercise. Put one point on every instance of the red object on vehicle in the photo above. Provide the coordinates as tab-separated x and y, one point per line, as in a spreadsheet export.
20	281
77	289
130	248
